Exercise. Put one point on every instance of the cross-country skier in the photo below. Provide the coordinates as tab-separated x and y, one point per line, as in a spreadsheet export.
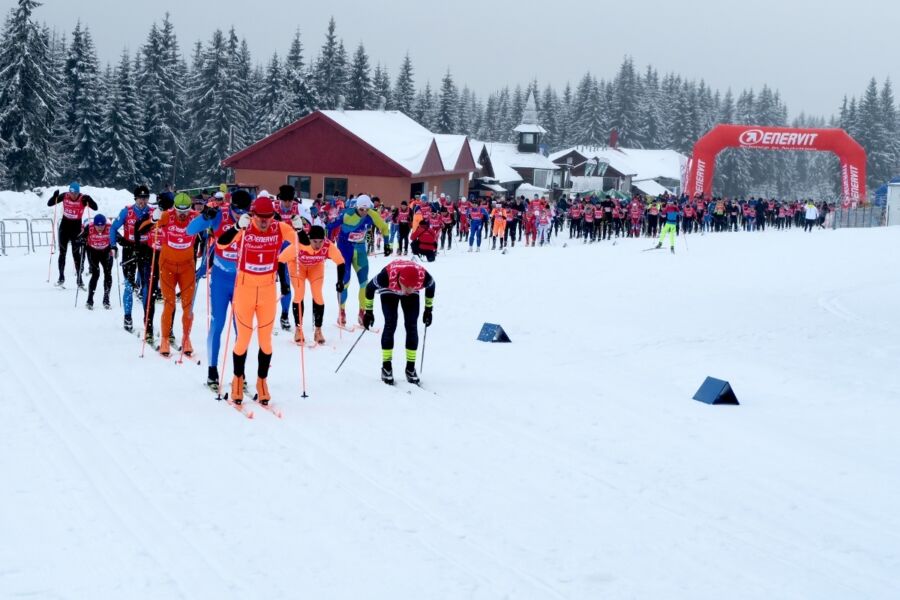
70	226
99	256
307	263
670	214
260	240
176	268
128	218
398	284
218	219
354	224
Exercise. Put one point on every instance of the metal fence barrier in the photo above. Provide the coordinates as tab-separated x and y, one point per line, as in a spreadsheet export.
861	216
16	238
44	236
3	237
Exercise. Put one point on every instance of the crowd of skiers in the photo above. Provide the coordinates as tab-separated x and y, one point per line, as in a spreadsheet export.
249	251
257	255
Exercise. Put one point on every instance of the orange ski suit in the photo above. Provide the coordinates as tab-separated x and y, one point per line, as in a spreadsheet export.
306	264
176	268
256	289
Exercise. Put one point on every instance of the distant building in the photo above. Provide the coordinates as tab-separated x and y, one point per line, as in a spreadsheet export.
589	169
506	167
337	152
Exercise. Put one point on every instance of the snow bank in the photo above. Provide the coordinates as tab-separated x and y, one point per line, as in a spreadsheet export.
33	204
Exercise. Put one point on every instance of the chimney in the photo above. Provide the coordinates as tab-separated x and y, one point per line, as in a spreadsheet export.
339	105
382	103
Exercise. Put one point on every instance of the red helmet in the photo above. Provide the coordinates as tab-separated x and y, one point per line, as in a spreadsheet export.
263	207
409	276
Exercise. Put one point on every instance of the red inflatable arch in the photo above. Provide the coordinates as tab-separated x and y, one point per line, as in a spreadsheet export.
703	163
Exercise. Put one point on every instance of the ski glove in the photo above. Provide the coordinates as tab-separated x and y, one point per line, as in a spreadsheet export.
157	213
210	212
244	221
115	251
339	286
297	222
368	319
426	317
387	249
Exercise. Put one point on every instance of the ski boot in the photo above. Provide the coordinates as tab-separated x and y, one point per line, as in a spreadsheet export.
262	392
127	324
81	285
342	317
285	322
60	283
318	337
299	338
362	314
148	336
89	304
164	346
659	245
672	249
478	249
106	301
186	347
237	389
470	248
387	373
411	375
212	379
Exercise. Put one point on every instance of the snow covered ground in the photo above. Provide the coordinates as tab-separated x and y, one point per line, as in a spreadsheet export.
572	463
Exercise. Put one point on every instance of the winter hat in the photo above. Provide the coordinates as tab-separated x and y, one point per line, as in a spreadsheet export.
316	232
141	191
99	220
264	194
74	187
408	276
363	201
263	207
182	201
286	192
165	200
220	195
240	200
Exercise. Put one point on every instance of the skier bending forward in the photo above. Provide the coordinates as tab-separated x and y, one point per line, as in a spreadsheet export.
398	284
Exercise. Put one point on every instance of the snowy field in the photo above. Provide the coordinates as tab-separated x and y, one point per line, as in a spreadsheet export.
572	463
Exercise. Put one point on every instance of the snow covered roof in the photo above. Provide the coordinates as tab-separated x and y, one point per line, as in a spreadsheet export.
642	164
529	128
397	136
650	187
449	146
528	190
506	158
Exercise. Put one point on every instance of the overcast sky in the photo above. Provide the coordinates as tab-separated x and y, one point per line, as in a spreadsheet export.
812	52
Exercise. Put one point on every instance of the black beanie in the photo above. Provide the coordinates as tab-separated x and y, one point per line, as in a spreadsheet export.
286	192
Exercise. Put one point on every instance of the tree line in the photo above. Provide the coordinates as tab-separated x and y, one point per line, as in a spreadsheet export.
162	116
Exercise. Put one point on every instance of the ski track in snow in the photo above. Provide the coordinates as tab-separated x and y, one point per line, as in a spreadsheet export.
569	464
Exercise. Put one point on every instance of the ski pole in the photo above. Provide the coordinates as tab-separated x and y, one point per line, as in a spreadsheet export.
53	239
118	284
149	289
77	289
303	368
422	359
361	334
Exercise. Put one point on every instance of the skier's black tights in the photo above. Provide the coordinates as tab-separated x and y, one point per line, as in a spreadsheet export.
410	304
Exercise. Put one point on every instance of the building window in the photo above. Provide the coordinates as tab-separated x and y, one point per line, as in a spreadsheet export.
335	186
452	188
528	139
301	183
542	178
